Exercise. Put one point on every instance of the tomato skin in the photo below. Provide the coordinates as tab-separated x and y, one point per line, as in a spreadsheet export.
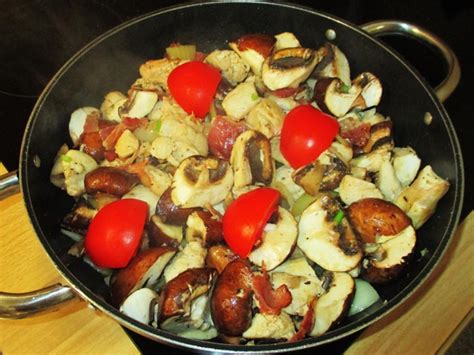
115	233
193	85
245	218
306	133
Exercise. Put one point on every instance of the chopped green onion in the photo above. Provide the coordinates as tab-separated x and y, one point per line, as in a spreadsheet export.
212	110
338	217
345	88
181	51
255	97
157	126
365	296
66	158
302	203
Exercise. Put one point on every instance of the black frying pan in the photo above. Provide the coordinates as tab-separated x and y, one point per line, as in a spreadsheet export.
111	63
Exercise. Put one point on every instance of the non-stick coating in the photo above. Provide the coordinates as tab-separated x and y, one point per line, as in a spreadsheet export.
111	63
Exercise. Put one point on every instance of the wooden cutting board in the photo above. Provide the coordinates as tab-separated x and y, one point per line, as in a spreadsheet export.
423	325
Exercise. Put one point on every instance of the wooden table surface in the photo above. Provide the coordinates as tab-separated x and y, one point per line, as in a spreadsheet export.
425	324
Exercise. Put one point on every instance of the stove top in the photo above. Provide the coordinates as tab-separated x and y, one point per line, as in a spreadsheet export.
39	36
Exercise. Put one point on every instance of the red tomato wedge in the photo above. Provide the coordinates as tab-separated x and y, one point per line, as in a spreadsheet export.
193	85
306	133
245	218
115	233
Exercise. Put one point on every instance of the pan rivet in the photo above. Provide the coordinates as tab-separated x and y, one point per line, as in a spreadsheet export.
428	118
330	34
36	161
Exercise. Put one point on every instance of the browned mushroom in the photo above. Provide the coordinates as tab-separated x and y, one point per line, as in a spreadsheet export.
110	180
289	67
254	49
144	269
251	159
203	226
163	235
169	212
374	217
178	295
231	300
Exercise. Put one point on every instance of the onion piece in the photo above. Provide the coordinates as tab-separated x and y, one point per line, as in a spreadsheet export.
365	296
301	203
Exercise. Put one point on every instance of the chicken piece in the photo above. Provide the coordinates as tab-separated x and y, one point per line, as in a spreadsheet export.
157	71
232	67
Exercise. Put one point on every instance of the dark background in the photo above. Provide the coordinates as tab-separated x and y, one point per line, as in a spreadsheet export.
38	37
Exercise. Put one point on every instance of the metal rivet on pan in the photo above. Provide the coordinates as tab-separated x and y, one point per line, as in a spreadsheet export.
428	118
36	161
330	34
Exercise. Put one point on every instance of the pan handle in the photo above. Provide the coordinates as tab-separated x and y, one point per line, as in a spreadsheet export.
21	305
384	27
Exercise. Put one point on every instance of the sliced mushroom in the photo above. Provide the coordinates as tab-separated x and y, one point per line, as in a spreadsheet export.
353	189
254	49
267	326
335	97
178	295
199	181
278	241
143	270
330	244
332	306
137	305
204	227
266	117
334	64
193	255
297	266
231	299
374	217
109	180
112	106
289	67
77	122
371	91
219	256
140	103
398	251
380	137
309	177
232	67
286	40
406	165
77	221
170	213
161	234
241	100
419	200
251	159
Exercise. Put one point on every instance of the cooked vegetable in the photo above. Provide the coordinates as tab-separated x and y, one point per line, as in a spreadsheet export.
181	51
115	232
306	133
178	190
245	219
193	86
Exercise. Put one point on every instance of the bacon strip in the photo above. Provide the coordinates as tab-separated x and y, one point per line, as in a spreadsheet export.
270	301
139	170
307	322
